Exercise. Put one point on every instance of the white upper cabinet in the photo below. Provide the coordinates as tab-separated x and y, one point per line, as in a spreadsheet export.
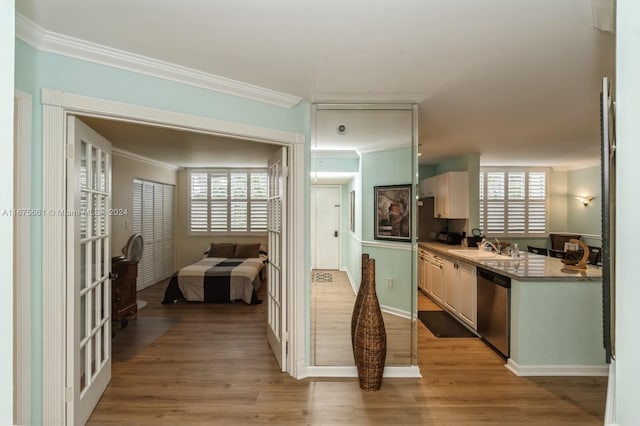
451	193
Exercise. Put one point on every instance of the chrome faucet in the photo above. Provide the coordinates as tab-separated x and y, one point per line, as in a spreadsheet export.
490	244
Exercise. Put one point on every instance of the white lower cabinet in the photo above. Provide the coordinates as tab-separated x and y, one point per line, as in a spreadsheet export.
424	283
451	293
468	291
451	283
436	272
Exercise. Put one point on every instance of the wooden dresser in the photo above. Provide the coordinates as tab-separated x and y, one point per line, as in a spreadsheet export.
123	289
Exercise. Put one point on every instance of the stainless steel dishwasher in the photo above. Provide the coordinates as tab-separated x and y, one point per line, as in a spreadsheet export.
494	313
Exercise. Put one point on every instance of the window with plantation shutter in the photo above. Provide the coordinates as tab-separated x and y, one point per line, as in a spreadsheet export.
228	200
513	202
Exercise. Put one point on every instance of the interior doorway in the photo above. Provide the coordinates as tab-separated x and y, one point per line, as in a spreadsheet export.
326	211
56	107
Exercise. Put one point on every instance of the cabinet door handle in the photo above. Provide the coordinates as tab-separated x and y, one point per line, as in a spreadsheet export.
113	276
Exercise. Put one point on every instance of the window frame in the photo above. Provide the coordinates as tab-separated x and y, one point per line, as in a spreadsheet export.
482	204
229	200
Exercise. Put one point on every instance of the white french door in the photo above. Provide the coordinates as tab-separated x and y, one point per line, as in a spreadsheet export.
276	277
88	352
325	222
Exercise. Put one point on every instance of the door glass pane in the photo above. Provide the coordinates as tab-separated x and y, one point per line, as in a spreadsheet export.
83	369
83	318
83	217
95	207
103	172
88	301
103	268
83	265
104	215
94	167
83	165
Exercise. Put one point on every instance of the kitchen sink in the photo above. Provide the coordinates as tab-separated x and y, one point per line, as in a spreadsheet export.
476	254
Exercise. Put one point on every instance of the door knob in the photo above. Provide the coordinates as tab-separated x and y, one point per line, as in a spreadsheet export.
335	233
113	276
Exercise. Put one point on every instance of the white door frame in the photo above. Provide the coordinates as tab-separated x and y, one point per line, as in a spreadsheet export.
22	259
56	106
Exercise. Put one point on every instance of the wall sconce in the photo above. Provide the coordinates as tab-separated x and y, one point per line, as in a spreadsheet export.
584	199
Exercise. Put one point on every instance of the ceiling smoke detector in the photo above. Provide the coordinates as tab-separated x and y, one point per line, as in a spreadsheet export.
341	129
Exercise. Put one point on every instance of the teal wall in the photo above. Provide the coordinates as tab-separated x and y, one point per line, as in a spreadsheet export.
557	323
36	70
387	168
584	219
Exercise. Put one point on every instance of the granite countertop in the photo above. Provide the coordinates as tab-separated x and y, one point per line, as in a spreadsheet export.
530	267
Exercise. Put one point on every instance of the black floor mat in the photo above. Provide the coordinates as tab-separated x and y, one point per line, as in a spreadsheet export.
442	324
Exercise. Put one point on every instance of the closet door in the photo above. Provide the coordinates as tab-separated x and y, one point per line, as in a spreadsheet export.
153	218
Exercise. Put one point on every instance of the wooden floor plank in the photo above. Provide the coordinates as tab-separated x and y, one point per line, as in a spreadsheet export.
214	367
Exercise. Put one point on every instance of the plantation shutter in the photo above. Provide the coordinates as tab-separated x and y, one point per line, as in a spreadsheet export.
228	200
219	182
516	203
495	213
239	202
537	203
199	213
258	218
513	202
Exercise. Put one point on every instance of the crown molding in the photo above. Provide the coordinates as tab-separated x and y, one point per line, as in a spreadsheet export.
131	156
383	147
334	153
60	44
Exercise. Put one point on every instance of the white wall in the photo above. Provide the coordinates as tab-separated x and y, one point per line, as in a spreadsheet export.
7	14
124	171
628	205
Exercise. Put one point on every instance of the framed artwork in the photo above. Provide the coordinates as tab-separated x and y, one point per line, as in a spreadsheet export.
392	212
352	211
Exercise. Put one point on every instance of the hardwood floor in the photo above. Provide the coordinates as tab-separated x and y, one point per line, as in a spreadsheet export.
214	367
331	309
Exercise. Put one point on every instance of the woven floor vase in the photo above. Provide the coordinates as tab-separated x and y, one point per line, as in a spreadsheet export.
370	336
357	306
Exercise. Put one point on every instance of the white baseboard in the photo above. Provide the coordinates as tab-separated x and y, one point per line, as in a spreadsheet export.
397	312
412	371
557	370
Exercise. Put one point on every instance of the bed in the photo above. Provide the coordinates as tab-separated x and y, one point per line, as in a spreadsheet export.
224	275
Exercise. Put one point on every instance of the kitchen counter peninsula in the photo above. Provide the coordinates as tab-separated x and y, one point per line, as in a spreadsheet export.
529	266
555	321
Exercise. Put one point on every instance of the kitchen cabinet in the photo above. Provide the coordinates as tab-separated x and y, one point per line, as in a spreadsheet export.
451	192
427	187
450	284
424	273
468	293
436	274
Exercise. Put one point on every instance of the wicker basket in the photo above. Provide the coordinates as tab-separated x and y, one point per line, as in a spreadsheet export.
357	306
370	337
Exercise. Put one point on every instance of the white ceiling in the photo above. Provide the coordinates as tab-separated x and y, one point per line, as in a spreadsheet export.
515	80
180	148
